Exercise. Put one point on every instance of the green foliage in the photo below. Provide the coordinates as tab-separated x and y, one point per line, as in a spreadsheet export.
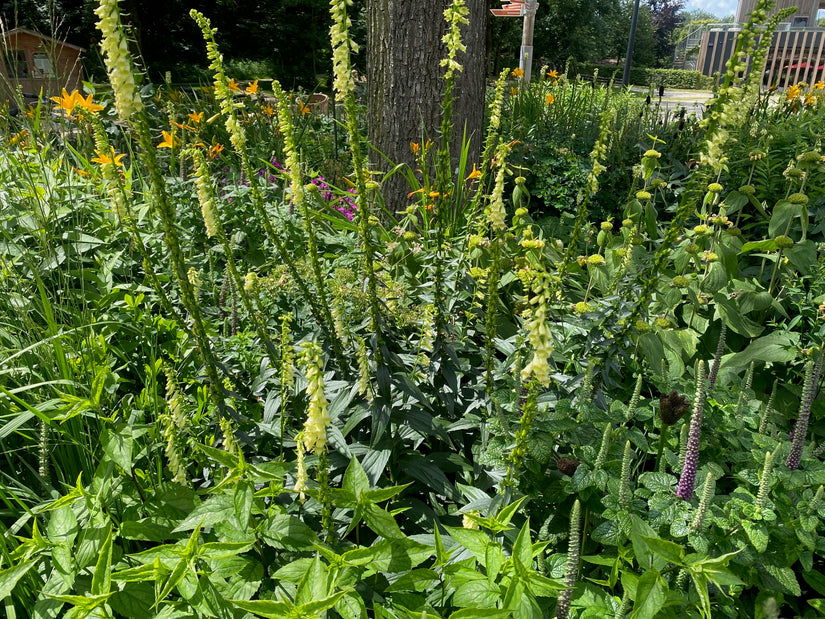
450	412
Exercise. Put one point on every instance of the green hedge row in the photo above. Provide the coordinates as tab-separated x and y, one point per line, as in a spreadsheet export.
643	76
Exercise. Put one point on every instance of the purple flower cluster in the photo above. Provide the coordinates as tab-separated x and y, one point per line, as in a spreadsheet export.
343	204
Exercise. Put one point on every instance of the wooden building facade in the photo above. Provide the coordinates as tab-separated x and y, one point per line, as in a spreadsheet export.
33	64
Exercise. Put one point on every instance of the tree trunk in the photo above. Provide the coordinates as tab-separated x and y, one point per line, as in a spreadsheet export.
404	52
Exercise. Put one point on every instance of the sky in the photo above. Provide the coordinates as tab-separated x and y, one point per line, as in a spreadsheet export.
720	8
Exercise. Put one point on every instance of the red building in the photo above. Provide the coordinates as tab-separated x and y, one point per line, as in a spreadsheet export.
35	64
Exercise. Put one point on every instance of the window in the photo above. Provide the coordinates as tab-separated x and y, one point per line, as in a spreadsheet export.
42	65
18	67
800	22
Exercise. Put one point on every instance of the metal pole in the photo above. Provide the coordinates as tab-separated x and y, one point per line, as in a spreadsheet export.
526	58
629	56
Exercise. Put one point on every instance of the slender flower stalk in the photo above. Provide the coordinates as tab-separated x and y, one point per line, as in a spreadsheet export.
223	93
573	557
214	228
717	358
529	410
634	399
704	504
812	373
687	481
541	339
683	440
624	487
118	60
342	48
765	480
604	448
287	374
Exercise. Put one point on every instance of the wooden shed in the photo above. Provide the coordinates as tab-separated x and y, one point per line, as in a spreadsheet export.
34	63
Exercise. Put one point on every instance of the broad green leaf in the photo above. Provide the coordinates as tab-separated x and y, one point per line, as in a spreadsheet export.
670	551
651	593
815	580
223	550
523	548
776	347
10	576
118	446
757	534
785	577
415	580
355	479
286	531
102	577
473	540
243	498
481	613
382	522
264	608
215	509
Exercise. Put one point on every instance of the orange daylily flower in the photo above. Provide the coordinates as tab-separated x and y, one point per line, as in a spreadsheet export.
214	150
434	194
553	75
793	92
819	85
65	101
103	158
304	109
81	172
169	140
476	173
252	89
233	85
269	111
196	117
549	99
517	73
87	103
415	147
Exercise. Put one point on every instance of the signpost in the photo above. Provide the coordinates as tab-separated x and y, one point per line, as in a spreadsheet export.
527	10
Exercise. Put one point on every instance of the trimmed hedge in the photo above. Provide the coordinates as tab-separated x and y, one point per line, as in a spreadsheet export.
644	76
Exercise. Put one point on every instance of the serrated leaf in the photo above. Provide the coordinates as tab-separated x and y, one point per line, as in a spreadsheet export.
757	534
785	577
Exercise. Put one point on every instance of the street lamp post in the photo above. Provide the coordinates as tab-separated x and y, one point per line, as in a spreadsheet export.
629	56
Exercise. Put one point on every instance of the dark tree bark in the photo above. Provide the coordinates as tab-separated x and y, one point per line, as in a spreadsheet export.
404	52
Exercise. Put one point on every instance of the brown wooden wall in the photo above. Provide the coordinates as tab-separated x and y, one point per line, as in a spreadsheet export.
23	56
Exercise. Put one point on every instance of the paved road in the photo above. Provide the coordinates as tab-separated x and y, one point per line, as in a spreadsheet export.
691	100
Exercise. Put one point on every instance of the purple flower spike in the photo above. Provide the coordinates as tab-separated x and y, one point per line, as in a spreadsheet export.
687	482
812	373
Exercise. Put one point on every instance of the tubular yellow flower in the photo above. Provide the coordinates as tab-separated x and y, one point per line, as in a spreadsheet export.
223	87
542	342
293	164
342	47
315	426
206	196
456	16
118	60
495	209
